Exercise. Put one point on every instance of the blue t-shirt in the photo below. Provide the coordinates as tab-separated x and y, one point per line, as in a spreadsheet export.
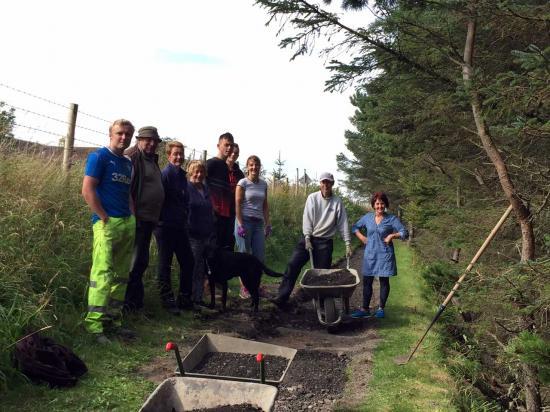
114	174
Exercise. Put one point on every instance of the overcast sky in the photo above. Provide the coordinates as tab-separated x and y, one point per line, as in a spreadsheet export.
194	69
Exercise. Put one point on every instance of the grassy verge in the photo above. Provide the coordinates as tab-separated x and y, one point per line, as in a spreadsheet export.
423	384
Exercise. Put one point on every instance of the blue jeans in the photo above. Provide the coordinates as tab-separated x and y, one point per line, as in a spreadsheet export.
254	240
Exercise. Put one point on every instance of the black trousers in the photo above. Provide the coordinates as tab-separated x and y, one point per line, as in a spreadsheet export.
322	259
225	227
140	261
174	240
367	290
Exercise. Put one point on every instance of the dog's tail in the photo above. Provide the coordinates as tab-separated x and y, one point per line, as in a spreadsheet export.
271	273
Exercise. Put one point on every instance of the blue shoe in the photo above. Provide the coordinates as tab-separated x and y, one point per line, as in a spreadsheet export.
379	313
361	314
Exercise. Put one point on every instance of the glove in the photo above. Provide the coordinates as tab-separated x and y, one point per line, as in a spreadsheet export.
308	244
268	230
241	231
348	250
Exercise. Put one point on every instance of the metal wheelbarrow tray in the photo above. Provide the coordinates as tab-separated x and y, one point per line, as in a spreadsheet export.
325	298
185	394
219	343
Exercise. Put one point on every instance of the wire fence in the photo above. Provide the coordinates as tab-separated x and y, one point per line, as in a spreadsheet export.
46	122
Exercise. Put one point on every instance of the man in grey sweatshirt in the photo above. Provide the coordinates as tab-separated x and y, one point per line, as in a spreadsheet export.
324	215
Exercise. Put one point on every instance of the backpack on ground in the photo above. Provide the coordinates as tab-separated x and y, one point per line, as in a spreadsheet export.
41	359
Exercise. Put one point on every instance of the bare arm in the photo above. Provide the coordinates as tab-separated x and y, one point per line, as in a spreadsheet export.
89	185
239	197
361	237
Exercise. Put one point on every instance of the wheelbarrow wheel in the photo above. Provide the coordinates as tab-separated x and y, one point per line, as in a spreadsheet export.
330	310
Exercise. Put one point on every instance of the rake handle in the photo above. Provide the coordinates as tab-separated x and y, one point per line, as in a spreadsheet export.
459	281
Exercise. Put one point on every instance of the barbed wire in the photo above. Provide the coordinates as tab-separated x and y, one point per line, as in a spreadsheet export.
36	113
195	153
37	129
33	95
84	141
52	118
15	89
93	116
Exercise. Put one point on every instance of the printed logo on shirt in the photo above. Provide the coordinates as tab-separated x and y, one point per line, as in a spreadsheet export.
121	178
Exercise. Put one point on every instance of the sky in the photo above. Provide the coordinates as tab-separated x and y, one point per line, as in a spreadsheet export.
194	69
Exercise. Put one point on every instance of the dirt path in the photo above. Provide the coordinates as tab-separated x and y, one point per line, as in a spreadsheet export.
316	379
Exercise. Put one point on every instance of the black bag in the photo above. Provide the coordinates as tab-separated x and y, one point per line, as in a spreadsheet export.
41	359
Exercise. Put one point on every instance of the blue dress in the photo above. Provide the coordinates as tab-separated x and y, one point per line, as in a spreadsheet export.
379	258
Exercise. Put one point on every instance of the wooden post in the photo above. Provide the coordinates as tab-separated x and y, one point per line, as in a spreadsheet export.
204	156
297	182
306	184
69	139
411	233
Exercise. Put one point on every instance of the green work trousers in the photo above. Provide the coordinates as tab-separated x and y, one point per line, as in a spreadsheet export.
111	257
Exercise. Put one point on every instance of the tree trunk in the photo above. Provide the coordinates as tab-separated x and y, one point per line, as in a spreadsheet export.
530	380
522	213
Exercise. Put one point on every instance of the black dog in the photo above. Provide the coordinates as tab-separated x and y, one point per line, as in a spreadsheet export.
223	265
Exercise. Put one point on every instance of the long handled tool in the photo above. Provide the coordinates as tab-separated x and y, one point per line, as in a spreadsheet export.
172	346
402	360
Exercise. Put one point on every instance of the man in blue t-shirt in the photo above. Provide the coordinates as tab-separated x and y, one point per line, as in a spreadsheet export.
106	189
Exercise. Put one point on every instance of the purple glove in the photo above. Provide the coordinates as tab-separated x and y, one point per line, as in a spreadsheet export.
241	231
268	230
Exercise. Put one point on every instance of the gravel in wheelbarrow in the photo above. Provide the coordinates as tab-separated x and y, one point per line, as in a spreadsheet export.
336	278
240	365
243	407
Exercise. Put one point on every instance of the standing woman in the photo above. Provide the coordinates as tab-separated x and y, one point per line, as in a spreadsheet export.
201	226
379	258
252	211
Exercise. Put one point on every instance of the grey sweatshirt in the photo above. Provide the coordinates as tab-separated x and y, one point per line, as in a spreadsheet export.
322	217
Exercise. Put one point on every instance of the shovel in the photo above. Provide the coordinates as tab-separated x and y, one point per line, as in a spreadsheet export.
403	360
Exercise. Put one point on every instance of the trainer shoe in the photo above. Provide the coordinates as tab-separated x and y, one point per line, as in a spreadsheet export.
361	314
244	293
379	313
102	339
125	333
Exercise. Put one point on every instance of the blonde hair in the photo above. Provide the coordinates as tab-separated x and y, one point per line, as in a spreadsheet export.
121	122
174	143
194	165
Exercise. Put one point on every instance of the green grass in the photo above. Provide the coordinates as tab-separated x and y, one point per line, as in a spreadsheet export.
423	384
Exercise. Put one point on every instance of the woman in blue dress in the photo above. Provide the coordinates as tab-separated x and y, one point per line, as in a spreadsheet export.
379	258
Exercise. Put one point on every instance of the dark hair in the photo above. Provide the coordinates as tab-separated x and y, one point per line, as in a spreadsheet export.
379	196
226	136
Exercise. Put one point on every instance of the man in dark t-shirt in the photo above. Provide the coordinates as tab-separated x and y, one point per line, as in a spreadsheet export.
217	178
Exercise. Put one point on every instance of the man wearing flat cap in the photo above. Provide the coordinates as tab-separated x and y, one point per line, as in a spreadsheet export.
324	215
148	195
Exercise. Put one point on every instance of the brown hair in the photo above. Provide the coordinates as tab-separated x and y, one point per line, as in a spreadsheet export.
379	196
174	143
121	122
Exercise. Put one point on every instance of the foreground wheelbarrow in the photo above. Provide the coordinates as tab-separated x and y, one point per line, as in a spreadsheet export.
331	303
187	393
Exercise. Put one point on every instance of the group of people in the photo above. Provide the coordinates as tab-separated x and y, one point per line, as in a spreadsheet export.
209	203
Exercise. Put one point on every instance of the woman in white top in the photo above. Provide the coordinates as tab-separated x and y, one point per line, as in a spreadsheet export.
252	211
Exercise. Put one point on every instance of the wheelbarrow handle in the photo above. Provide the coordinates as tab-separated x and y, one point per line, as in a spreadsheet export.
311	258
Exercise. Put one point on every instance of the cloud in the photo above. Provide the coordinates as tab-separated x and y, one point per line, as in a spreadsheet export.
177	57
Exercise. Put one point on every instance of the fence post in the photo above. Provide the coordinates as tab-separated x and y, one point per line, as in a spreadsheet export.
69	139
297	182
204	155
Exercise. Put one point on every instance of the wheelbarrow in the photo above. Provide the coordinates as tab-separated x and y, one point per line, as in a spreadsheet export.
331	303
